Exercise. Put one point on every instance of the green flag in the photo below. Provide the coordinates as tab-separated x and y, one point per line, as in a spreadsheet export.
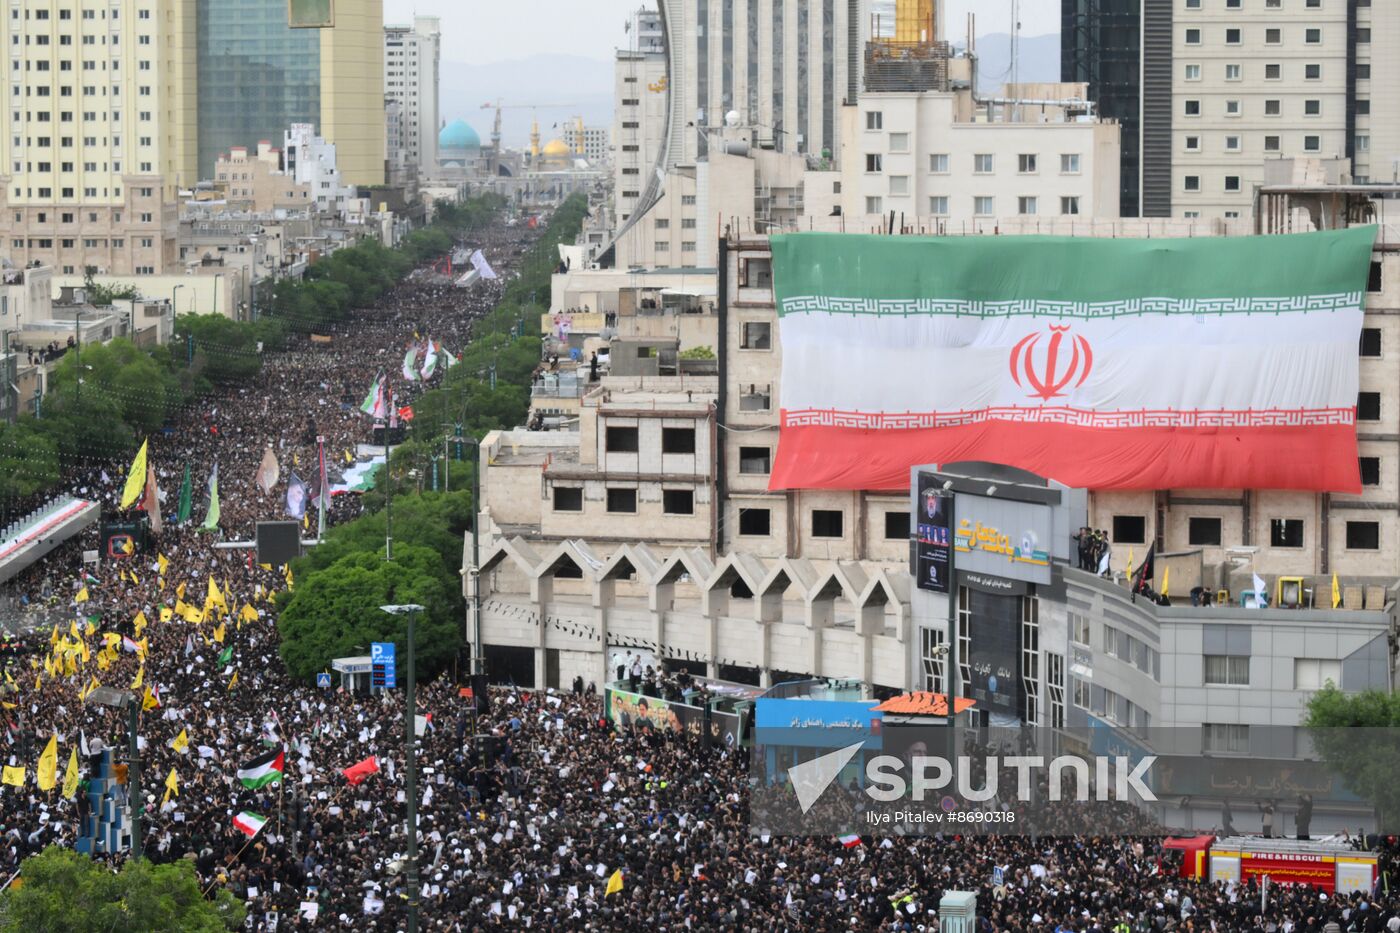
226	656
186	497
211	517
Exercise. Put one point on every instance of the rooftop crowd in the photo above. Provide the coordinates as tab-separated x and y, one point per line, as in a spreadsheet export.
532	839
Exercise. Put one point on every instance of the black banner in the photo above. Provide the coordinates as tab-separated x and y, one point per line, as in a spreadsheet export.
933	534
995	631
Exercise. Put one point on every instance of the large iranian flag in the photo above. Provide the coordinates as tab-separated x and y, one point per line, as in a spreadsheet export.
1219	362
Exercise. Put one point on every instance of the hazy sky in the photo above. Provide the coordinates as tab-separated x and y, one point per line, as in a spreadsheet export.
482	31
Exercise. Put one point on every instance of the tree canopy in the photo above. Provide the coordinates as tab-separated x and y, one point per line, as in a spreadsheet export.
61	891
336	611
1356	735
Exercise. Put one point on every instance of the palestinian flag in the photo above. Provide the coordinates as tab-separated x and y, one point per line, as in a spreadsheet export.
263	770
249	823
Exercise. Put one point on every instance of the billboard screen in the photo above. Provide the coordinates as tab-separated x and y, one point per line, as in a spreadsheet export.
310	14
933	534
1002	538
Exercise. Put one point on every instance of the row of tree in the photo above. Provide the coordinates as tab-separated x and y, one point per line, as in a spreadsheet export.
100	403
342	583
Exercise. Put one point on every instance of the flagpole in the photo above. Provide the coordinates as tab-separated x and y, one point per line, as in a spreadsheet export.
321	498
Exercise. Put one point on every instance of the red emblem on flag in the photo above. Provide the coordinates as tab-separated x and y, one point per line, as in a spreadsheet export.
1048	373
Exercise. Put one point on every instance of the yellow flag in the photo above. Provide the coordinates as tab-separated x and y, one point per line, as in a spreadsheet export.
134	579
53	640
180	594
182	743
46	775
1130	577
136	479
82	596
70	777
89	630
214	598
289	578
614	883
70	666
83	650
219	633
141	675
39	682
233	682
172	786
104	660
250	614
269	567
149	701
1166	583
166	614
138	624
350	458
111	639
161	563
73	630
14	777
1336	592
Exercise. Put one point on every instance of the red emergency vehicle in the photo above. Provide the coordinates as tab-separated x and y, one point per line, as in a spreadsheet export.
1329	865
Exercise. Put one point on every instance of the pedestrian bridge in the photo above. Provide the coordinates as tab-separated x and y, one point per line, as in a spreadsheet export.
42	530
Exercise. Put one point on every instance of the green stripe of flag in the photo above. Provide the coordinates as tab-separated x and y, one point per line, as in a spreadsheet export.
1067	269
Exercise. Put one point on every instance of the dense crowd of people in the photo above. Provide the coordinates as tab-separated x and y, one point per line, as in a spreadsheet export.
529	807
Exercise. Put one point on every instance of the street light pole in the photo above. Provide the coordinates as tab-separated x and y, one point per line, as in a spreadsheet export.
133	773
411	761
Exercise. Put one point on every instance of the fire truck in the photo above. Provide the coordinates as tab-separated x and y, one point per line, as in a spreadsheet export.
1329	864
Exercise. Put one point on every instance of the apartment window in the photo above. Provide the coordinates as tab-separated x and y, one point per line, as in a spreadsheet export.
1193	37
1232	72
757	461
1232	144
1193	144
1312	107
678	440
147	242
755	522
1080	628
1373	281
1232	183
1363	34
621	440
1363	107
1273	36
1271	144
828	523
1232	108
1370	468
983	206
661	246
899	142
1315	673
1203	532
687	200
1313	37
1363	536
1229	670
933	659
938	163
874	120
873	162
874	205
899	185
1232	37
687	246
1129	529
1286	532
1225	738
1026	163
1368	406
1069	163
1193	4
1025	205
756	398
1069	205
1363	144
1273	72
568	498
678	501
1191	108
938	204
1363	72
1192	182
622	500
1232	4
1273	108
897	526
757	335
983	163
1312	72
1193	72
1370	341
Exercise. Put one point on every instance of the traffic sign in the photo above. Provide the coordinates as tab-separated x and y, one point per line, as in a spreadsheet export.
323	680
381	660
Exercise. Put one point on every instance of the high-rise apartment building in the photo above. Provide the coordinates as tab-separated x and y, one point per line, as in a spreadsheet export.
1209	90
257	76
411	75
98	133
640	114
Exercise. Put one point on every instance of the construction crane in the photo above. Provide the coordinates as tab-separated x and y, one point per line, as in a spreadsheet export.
498	106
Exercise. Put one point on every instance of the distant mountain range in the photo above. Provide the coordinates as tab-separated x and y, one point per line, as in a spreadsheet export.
584	86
